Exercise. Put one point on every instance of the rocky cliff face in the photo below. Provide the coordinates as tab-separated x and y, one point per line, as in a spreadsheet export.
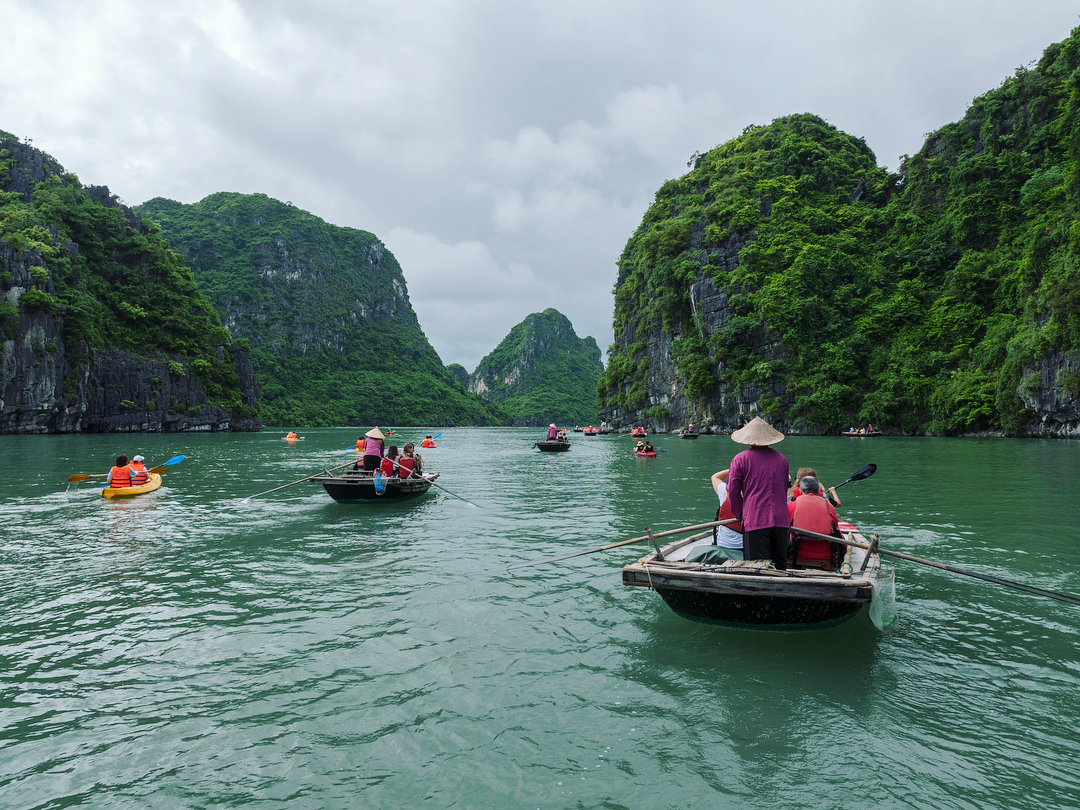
325	309
541	372
52	379
788	275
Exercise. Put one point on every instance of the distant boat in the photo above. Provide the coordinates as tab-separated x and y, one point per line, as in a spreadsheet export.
590	431
552	445
686	435
857	433
355	486
642	454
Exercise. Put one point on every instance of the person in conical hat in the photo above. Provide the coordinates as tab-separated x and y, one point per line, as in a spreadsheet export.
757	488
553	432
373	449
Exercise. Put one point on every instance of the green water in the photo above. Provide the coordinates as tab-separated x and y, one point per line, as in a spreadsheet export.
190	649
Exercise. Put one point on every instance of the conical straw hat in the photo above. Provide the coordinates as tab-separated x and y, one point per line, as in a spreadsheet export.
375	433
757	432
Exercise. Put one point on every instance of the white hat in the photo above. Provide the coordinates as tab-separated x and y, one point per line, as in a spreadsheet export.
757	432
375	433
553	425
138	458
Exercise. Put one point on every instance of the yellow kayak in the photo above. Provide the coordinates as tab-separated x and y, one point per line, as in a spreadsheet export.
120	492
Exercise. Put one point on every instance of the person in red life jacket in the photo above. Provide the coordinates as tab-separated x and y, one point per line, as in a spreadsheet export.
120	475
757	485
813	512
410	462
834	499
139	474
388	466
729	538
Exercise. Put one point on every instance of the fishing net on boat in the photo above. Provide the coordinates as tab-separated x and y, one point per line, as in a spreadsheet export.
883	604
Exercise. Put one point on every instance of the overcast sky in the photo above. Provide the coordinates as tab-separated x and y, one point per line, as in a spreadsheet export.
504	151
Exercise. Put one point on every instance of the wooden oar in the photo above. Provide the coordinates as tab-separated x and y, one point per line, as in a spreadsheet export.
641	539
1061	597
444	489
294	483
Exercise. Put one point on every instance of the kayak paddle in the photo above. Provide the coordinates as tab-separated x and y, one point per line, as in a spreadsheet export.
861	475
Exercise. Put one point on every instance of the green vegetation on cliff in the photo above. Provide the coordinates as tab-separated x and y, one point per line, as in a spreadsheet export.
324	309
542	372
914	299
117	284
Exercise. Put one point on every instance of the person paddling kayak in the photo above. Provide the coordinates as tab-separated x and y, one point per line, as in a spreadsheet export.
120	475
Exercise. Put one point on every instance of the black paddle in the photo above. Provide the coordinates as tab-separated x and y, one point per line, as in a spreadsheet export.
861	475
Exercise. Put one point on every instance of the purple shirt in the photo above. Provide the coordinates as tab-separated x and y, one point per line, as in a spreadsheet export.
757	487
372	447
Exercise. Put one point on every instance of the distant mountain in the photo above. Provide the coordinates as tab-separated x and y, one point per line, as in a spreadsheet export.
542	372
325	310
102	327
460	375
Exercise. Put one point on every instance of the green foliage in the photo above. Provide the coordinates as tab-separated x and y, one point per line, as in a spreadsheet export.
322	312
543	372
9	320
915	302
121	286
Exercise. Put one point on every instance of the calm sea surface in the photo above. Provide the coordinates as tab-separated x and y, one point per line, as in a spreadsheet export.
191	649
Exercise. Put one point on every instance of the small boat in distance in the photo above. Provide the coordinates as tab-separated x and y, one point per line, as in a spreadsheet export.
552	445
752	594
642	454
638	431
686	435
862	433
357	486
126	492
578	429
590	431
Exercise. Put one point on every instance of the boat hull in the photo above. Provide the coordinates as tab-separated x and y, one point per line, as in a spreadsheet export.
351	488
553	446
127	492
688	435
644	455
754	595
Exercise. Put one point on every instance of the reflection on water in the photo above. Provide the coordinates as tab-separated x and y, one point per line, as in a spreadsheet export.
194	648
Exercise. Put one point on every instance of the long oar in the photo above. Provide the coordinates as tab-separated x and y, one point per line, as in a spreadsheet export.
444	489
1061	597
162	469
642	539
294	483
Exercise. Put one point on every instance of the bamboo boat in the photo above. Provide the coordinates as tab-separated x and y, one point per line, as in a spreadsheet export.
126	492
856	433
753	594
552	445
355	486
590	431
685	435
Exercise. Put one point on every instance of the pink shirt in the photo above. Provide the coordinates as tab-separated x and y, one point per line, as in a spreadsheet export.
757	487
372	447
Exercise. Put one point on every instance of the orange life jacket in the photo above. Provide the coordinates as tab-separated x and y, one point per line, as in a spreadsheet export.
812	512
141	474
121	477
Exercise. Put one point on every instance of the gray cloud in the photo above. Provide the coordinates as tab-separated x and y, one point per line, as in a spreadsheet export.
503	151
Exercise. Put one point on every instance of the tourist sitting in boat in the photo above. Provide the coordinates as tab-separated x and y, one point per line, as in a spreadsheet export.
648	448
373	451
428	442
830	493
139	474
553	432
410	462
292	435
389	465
727	540
813	512
120	475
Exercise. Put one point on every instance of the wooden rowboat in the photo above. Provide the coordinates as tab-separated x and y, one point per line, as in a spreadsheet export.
126	492
754	594
552	445
856	433
590	431
356	486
